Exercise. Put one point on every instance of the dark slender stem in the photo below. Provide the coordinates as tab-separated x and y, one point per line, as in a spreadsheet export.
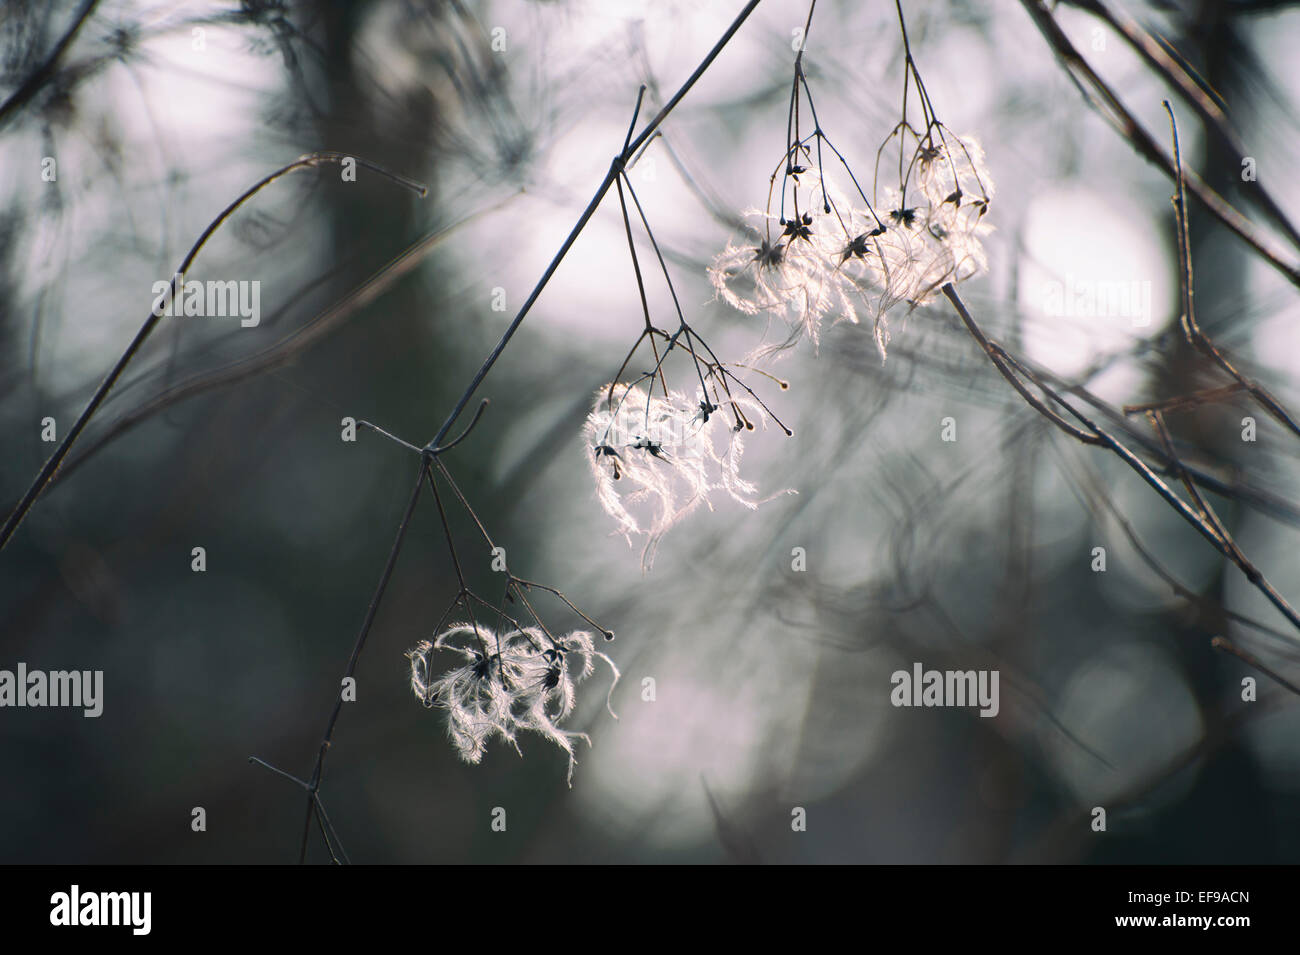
640	287
371	611
46	473
1098	500
279	354
1192	400
434	447
1118	115
608	634
1219	643
997	355
1263	500
328	832
42	74
1155	55
1202	505
1090	433
279	772
615	167
389	435
482	406
636	111
1191	327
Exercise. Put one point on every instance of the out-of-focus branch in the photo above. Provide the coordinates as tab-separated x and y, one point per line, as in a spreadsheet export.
1175	74
1011	368
1113	109
430	451
46	71
1191	329
46	474
282	353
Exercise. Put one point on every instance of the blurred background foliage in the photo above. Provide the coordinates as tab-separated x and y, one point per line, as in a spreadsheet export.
771	685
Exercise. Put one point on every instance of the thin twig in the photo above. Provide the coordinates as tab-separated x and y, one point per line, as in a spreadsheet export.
372	610
1191	328
1192	399
1213	116
282	352
1119	116
43	73
430	455
1092	434
46	473
615	167
1098	500
1219	643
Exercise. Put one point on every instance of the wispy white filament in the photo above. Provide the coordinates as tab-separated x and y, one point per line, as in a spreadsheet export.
656	459
828	264
506	682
